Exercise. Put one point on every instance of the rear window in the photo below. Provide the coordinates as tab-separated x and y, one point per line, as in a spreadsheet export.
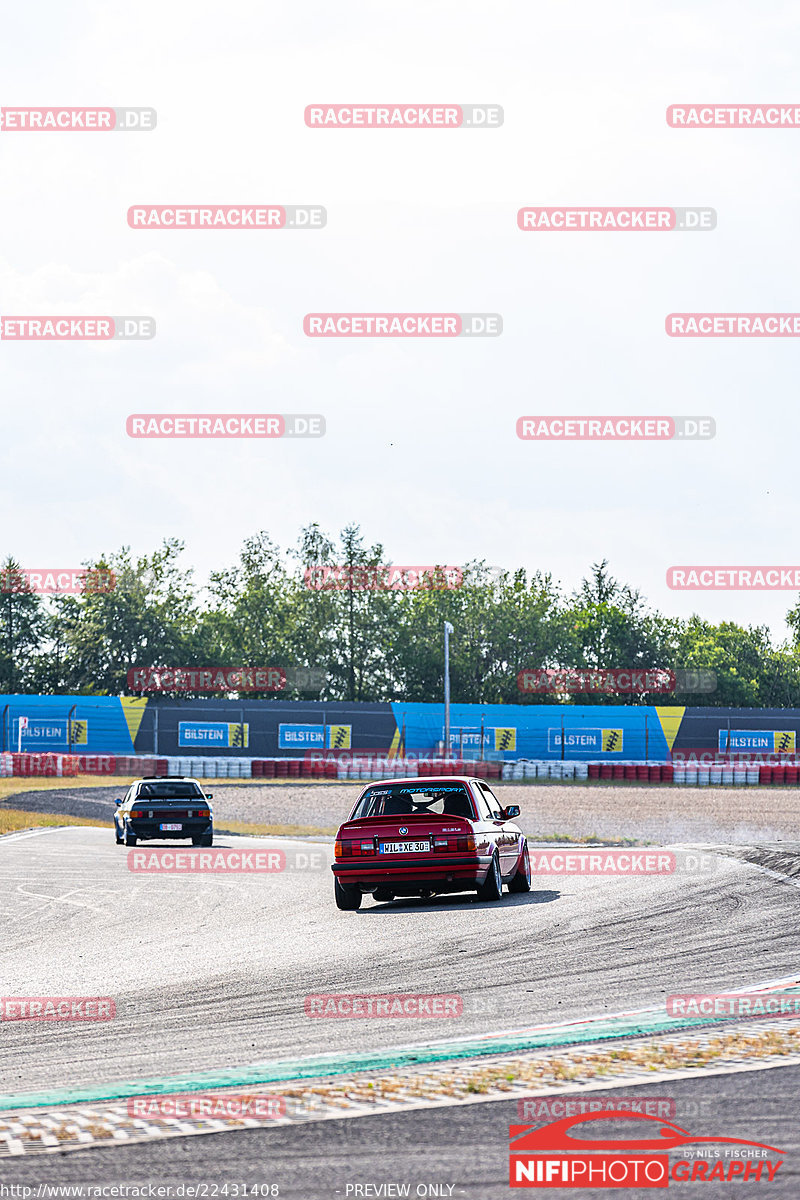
396	800
169	791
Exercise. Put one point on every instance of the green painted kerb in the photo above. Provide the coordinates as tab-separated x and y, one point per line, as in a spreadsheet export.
595	1029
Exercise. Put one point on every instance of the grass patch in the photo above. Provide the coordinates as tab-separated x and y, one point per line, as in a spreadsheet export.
39	783
574	839
256	830
14	819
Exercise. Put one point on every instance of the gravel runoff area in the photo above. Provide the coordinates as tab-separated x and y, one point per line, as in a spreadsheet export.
661	813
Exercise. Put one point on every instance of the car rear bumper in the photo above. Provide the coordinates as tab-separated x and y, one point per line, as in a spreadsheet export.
148	831
439	871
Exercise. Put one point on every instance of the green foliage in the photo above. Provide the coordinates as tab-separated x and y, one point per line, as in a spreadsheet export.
372	643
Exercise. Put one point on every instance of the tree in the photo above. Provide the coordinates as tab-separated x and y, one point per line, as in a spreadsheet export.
22	628
148	619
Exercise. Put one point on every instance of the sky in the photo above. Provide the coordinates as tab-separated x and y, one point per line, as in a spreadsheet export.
421	447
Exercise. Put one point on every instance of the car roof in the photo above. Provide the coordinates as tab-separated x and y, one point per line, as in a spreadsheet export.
426	779
166	779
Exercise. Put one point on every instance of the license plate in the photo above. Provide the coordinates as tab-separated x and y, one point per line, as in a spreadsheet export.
405	847
170	828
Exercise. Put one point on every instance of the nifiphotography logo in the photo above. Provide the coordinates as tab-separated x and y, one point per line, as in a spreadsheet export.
553	1156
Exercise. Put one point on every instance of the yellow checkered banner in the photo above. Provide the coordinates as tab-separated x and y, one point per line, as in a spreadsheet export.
340	737
505	739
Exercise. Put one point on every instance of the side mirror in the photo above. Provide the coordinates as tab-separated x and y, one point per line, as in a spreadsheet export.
511	811
209	795
117	802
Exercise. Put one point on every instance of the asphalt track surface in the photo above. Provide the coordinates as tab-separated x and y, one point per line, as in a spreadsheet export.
211	972
461	1148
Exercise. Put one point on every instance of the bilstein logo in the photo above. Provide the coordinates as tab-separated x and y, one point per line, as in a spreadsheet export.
550	1156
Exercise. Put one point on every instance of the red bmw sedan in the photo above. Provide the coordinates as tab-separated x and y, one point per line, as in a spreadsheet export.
420	837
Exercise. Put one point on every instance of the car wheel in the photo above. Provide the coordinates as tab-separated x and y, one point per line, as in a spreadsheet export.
348	899
203	839
381	894
522	878
117	837
130	838
492	889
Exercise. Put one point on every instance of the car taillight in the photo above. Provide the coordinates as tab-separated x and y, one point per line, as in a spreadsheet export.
203	812
135	812
460	843
342	849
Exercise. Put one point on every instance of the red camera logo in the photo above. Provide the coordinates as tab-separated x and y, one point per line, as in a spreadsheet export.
553	1156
